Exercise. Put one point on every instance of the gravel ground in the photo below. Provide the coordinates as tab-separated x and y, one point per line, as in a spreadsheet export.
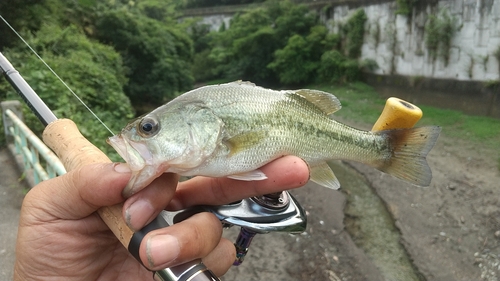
11	191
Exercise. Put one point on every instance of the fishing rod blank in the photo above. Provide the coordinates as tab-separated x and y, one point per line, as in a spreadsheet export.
35	103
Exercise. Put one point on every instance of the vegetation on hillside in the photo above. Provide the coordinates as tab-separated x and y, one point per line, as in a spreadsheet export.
125	57
279	43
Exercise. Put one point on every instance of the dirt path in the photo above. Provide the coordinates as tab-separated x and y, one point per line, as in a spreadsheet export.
452	228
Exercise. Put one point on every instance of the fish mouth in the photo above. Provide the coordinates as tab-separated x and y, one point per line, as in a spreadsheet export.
140	160
137	155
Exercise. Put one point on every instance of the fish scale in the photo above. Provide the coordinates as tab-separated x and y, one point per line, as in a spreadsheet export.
233	129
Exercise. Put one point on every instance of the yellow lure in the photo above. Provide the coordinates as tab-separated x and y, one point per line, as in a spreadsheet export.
397	114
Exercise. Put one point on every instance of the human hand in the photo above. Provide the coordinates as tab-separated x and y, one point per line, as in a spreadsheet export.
61	237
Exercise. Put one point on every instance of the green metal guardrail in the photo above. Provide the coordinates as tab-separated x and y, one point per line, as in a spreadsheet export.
37	157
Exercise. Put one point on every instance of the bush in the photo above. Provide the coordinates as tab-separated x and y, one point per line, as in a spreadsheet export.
335	67
157	57
355	32
93	70
293	63
299	61
249	45
439	31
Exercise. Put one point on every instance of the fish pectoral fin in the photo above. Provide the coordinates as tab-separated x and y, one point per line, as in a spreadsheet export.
255	175
244	141
323	175
327	102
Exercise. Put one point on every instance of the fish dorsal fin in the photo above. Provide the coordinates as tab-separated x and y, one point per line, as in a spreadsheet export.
255	175
323	175
327	102
244	141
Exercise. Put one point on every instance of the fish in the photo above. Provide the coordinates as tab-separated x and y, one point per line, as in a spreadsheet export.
233	129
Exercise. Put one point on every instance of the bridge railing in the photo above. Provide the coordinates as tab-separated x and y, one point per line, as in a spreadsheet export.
36	156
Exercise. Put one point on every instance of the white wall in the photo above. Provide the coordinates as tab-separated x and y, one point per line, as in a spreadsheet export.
471	54
215	21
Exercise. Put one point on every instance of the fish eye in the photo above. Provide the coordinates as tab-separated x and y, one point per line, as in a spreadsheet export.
148	127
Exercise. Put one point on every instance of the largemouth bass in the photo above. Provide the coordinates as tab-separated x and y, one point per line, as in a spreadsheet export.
233	129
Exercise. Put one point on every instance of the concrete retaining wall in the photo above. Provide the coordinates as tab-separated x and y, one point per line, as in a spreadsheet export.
397	43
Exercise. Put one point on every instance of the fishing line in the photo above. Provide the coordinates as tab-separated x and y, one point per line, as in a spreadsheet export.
57	76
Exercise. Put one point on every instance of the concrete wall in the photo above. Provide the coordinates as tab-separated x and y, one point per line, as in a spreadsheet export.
397	42
470	97
215	21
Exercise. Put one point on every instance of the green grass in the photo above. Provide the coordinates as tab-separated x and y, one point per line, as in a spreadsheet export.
361	103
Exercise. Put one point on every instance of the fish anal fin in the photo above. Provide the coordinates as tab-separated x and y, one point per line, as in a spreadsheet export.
409	148
244	141
255	175
326	102
323	175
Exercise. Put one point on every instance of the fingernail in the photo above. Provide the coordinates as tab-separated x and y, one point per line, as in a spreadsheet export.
139	213
122	168
162	250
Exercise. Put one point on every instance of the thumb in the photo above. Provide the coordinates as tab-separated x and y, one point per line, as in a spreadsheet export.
80	192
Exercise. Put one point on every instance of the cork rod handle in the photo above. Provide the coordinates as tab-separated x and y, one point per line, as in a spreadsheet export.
75	151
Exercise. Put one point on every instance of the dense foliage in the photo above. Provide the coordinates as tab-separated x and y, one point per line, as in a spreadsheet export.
98	81
405	7
280	43
158	57
117	54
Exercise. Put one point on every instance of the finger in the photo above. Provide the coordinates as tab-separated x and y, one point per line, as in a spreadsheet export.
220	260
185	241
145	205
80	192
284	173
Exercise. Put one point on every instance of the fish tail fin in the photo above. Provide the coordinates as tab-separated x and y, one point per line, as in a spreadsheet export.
409	148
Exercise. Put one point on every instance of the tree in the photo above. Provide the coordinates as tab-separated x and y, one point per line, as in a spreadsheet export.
93	70
158	57
247	47
25	16
299	61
